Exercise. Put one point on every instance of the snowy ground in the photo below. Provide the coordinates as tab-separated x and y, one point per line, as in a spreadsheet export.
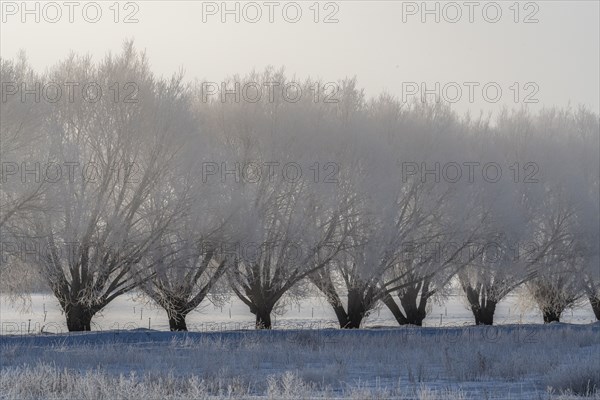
129	312
505	362
304	358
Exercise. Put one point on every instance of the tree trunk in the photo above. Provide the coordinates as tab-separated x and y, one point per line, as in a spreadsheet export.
393	307
551	316
484	314
341	314
263	319
177	321
356	309
322	280
414	315
79	318
354	320
414	302
595	302
482	307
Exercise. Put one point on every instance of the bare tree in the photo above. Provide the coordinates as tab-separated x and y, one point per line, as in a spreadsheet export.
285	242
506	256
585	139
556	285
396	214
186	272
290	212
187	261
96	227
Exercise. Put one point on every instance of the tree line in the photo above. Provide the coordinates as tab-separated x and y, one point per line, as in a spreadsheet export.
115	179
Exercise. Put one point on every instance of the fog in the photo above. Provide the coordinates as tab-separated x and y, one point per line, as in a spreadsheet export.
395	157
554	44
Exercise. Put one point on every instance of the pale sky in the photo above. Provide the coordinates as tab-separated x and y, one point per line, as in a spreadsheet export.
559	55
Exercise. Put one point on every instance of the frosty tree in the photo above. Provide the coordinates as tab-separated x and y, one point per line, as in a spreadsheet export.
265	187
189	258
96	226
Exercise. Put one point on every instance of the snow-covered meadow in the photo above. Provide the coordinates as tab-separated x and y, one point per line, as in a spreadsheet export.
555	361
306	356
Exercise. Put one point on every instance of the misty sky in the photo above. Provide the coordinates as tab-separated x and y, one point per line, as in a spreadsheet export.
559	54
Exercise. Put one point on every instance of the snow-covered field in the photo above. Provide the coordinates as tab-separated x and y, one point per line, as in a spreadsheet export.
305	357
505	362
129	312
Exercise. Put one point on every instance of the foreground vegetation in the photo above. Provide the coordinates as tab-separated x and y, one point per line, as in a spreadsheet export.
508	362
